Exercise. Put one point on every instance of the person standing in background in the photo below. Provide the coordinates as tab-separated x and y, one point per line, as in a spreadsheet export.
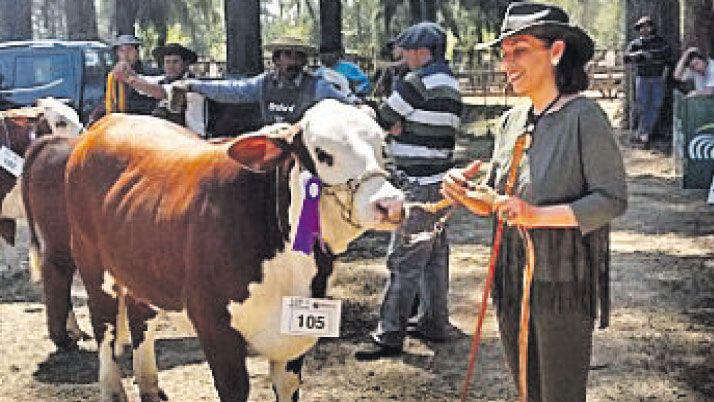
651	56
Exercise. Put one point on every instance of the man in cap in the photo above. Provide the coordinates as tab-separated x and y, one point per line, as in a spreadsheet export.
282	94
175	60
650	53
424	113
332	57
695	66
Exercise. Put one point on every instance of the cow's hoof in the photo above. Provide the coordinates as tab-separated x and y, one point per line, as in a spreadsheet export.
115	398
79	335
159	397
66	346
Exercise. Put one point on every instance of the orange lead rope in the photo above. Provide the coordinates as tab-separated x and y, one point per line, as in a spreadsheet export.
525	314
115	96
523	142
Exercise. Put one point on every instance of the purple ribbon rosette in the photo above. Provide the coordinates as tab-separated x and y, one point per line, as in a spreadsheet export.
308	230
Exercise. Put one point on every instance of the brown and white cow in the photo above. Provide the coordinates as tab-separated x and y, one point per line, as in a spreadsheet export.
167	222
18	128
43	197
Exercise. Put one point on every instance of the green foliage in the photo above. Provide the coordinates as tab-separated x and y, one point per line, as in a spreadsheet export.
600	18
200	23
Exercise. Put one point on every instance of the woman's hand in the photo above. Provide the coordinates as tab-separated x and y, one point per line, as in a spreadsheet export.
457	189
515	211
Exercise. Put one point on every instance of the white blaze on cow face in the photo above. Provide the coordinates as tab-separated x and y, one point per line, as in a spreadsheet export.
346	146
62	119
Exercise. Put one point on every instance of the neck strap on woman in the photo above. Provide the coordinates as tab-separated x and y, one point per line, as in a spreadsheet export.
533	118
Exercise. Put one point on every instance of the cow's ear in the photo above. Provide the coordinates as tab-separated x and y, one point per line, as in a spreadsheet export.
259	152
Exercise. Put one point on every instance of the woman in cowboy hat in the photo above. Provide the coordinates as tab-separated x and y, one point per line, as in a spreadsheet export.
569	187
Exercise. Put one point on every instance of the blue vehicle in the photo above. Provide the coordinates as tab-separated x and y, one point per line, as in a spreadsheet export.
72	70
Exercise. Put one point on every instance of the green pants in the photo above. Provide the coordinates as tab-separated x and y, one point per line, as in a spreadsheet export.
559	348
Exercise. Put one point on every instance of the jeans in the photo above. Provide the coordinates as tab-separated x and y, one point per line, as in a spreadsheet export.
649	94
418	262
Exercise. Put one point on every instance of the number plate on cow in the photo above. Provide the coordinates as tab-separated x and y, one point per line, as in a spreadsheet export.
11	161
314	317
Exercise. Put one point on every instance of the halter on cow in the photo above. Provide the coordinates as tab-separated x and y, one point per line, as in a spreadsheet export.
166	222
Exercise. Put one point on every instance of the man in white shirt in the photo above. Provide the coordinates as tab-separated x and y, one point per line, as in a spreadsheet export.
695	66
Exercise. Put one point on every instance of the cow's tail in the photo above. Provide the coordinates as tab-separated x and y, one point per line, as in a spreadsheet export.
30	155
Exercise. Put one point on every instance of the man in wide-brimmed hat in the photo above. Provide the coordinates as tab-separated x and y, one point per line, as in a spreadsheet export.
175	60
281	94
651	56
126	48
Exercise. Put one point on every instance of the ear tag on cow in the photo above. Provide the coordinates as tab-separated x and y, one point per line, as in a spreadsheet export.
308	230
11	161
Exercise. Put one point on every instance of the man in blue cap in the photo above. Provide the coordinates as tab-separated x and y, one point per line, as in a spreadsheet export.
423	113
332	57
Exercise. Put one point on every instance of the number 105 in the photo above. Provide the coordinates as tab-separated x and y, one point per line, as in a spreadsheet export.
311	321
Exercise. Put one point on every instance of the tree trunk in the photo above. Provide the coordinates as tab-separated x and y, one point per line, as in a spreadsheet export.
15	20
125	16
389	7
428	10
243	43
414	11
81	20
331	24
665	14
698	26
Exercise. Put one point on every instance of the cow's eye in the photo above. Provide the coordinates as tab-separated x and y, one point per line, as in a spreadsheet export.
324	157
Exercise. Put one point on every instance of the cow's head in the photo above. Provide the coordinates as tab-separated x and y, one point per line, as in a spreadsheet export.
61	118
342	146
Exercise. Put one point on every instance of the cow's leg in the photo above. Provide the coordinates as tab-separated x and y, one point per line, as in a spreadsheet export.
73	329
224	347
142	323
57	272
104	310
102	299
286	379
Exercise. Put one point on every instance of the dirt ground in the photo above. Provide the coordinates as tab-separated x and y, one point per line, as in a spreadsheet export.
658	347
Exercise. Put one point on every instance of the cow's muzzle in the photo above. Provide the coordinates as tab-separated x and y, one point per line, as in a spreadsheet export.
390	212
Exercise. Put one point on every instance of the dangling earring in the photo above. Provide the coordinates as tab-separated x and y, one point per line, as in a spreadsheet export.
555	62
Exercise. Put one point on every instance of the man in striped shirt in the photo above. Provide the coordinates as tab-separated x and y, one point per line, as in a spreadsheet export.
423	113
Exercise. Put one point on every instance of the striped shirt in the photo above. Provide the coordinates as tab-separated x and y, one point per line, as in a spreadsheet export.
427	102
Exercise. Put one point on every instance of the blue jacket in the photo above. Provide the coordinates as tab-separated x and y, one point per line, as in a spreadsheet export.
357	78
249	90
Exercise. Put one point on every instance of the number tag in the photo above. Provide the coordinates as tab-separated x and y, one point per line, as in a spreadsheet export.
314	317
11	161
